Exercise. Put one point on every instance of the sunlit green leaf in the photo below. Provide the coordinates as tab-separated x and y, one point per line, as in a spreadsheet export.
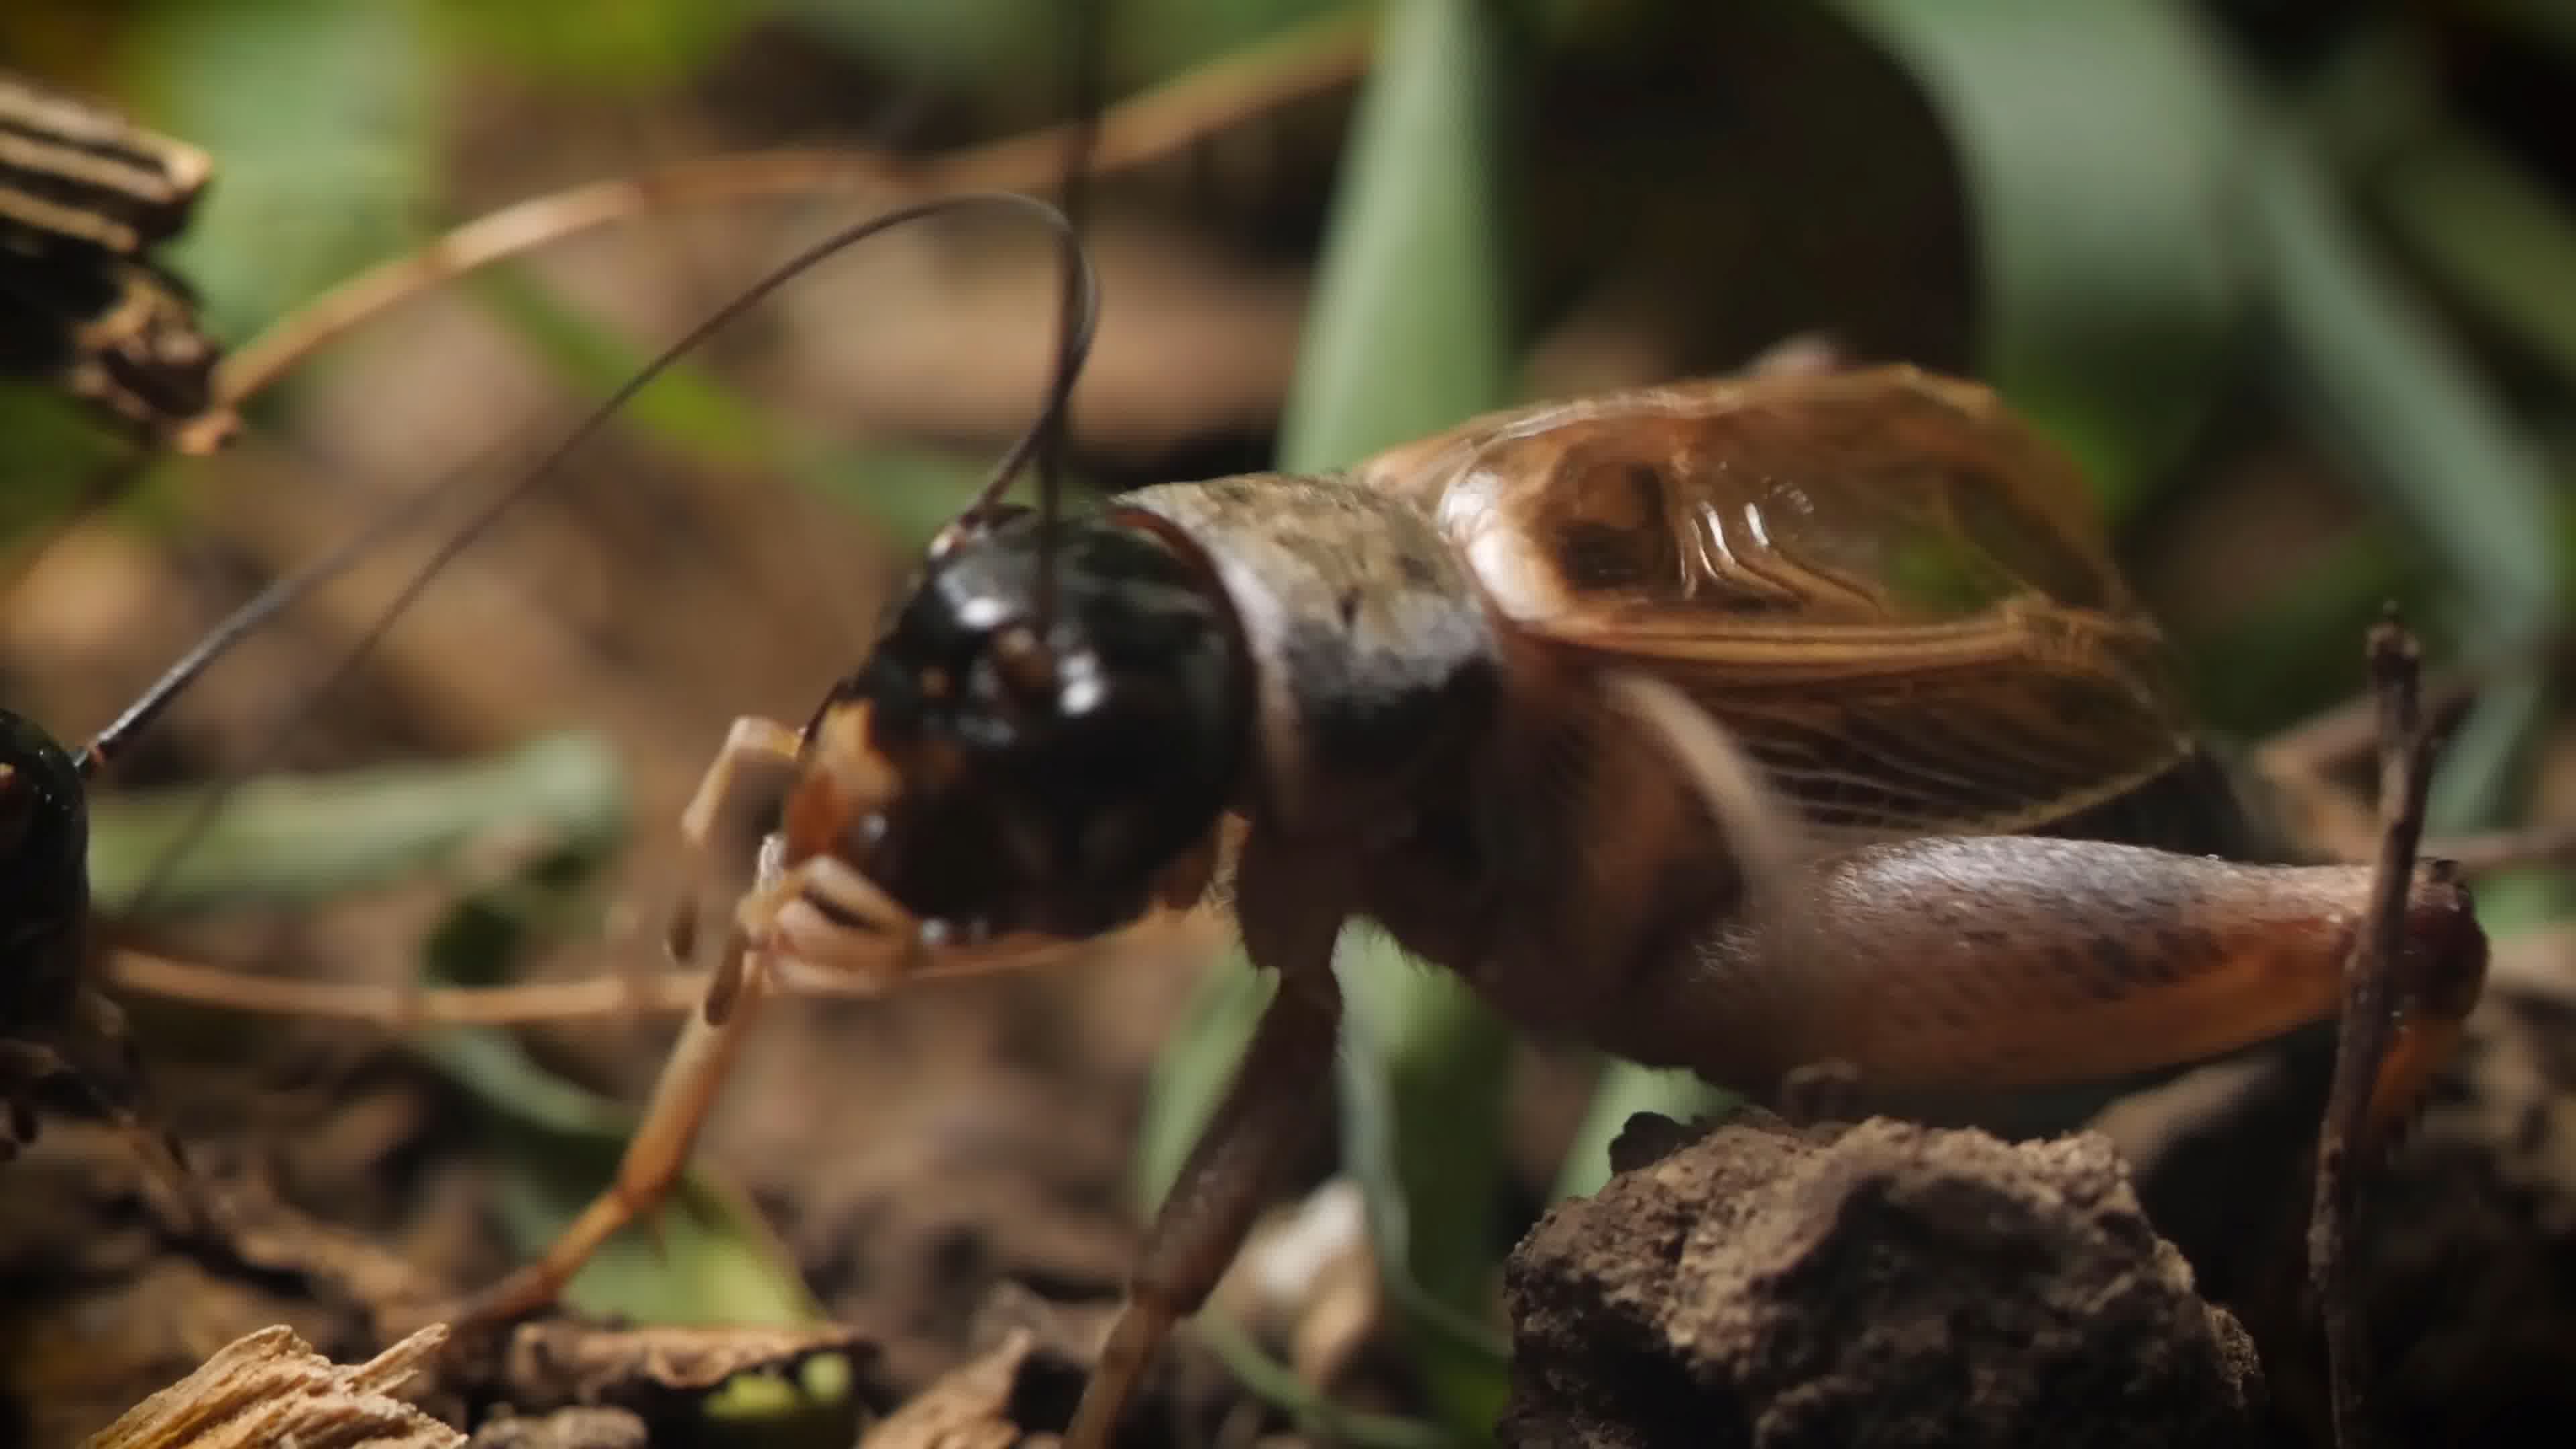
323	120
1410	328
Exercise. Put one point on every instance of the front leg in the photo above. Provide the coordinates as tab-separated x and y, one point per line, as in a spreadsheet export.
1289	925
728	817
759	760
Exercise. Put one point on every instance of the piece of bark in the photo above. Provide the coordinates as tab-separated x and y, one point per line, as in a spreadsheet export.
270	1387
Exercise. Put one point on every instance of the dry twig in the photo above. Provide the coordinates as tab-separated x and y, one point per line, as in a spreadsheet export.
2405	767
397	1009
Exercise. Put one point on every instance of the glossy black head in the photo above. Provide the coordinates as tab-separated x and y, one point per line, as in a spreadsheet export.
1051	768
44	873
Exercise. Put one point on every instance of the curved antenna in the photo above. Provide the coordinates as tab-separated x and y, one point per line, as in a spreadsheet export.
1086	73
1085	310
108	745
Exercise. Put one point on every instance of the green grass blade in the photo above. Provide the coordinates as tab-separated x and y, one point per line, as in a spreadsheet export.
2493	235
2101	148
325	123
2425	434
297	840
1410	329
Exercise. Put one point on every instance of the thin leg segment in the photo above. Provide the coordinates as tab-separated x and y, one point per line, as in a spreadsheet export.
757	758
682	1098
1274	1103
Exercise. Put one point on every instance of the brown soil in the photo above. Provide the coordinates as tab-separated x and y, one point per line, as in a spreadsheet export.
1888	1284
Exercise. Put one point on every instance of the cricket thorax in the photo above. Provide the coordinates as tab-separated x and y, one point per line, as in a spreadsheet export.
1052	761
1374	660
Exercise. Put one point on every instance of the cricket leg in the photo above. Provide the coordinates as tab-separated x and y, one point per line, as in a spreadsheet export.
2013	962
682	1098
728	816
1963	964
94	1060
757	758
1266	1113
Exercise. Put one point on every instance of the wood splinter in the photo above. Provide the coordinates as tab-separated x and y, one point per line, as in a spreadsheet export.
270	1387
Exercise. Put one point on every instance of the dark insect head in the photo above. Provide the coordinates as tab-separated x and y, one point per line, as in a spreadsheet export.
1055	755
44	871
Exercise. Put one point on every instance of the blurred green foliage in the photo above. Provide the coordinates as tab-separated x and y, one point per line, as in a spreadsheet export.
2116	286
291	840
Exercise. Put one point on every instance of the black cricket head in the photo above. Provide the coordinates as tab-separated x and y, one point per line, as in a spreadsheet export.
1064	729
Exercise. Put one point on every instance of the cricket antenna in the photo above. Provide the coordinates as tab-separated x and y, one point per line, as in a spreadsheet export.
1086	65
1083	316
108	747
1086	70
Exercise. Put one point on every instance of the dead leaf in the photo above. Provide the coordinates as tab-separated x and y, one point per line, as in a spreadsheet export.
565	1429
564	1362
968	1409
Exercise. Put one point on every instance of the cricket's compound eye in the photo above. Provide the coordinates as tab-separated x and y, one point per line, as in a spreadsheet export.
1050	767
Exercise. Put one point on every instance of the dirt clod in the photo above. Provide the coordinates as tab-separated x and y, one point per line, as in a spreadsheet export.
1887	1284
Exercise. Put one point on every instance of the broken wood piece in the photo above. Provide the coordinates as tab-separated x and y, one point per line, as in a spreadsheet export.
270	1387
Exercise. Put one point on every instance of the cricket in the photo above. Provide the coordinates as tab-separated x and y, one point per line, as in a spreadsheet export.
1796	726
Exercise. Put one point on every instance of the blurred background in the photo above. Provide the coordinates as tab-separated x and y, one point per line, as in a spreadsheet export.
2294	280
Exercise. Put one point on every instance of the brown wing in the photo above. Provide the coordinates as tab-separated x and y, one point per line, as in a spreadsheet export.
1891	590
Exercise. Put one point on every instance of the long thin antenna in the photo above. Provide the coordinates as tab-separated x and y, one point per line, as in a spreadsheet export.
1086	313
108	746
1086	74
